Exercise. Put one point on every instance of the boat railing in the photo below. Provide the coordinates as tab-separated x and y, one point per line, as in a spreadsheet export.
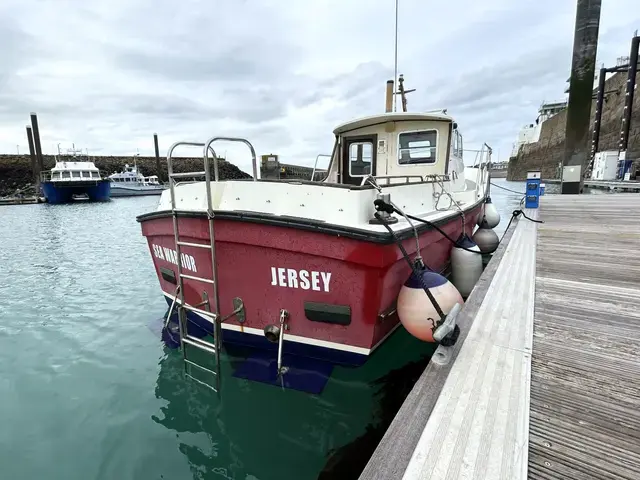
48	176
207	148
315	165
482	163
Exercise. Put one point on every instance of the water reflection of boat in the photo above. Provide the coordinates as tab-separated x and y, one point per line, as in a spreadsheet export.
226	438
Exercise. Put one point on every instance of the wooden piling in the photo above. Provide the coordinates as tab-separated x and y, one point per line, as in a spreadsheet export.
35	166
595	142
631	86
585	45
36	140
157	149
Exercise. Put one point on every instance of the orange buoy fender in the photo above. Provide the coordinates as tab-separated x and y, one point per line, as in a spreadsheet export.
416	312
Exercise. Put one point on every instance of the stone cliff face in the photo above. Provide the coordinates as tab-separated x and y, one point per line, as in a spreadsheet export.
16	172
548	152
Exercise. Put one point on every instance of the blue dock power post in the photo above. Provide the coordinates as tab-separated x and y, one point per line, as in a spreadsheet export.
532	198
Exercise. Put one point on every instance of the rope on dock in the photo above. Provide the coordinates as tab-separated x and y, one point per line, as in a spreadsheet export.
517	213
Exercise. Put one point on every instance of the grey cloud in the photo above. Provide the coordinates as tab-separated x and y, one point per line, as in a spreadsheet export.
196	69
474	88
236	63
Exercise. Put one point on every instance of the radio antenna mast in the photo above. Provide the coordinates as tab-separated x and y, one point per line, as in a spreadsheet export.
395	61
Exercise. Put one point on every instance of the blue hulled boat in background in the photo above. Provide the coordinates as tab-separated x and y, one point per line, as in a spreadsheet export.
73	181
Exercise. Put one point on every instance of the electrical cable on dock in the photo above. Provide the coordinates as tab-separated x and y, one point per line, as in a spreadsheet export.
507	189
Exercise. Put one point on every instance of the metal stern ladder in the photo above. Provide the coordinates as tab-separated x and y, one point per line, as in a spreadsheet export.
204	308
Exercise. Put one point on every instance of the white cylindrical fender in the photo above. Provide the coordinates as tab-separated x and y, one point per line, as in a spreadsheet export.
466	267
416	312
486	239
489	216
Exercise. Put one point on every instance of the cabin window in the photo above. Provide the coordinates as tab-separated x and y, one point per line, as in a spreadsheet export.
456	144
360	156
95	175
55	176
86	174
76	174
66	175
417	147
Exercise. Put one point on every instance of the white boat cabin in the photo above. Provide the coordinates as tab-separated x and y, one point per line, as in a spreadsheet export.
417	158
404	147
74	172
130	175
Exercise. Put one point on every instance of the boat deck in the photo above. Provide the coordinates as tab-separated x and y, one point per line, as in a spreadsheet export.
546	384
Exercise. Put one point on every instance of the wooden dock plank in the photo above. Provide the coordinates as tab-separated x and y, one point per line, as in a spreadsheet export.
394	451
547	382
479	425
585	383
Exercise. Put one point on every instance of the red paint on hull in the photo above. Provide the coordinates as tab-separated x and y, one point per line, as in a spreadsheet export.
365	276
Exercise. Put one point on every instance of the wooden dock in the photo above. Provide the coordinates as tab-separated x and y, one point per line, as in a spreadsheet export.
20	200
545	380
610	185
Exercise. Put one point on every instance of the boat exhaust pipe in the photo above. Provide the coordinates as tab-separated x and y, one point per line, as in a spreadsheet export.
389	97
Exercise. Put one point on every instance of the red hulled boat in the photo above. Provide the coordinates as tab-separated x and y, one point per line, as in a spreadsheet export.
304	267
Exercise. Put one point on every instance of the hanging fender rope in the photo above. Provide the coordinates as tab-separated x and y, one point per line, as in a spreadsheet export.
414	268
452	337
382	206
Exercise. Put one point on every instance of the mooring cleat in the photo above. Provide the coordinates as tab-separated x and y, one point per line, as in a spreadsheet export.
448	326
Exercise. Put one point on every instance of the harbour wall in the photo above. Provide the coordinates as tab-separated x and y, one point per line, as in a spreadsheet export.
548	152
16	172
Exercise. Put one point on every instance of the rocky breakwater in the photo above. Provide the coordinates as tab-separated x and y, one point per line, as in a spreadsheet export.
16	172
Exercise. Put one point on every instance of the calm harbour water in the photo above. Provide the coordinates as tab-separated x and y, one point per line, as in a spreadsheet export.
89	392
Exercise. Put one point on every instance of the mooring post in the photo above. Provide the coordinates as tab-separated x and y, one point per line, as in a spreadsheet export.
628	104
595	142
36	140
155	144
35	167
583	63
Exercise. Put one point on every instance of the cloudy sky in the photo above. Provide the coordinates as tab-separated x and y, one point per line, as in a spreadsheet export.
107	74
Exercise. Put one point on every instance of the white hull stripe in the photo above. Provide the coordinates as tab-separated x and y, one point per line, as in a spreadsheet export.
291	338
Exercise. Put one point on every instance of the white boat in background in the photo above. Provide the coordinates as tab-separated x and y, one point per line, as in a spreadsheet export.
131	183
